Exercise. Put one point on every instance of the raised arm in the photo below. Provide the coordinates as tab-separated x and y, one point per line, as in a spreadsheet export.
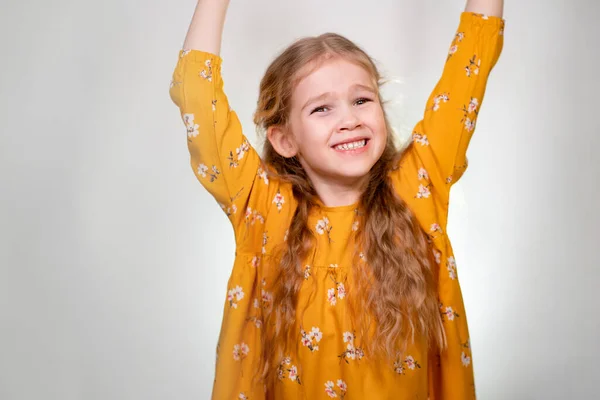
220	156
441	138
206	28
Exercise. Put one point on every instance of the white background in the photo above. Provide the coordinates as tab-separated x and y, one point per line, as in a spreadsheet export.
114	261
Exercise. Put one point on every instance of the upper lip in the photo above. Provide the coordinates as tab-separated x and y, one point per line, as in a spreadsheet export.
350	140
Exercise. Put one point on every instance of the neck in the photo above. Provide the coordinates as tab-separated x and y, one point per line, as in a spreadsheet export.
339	193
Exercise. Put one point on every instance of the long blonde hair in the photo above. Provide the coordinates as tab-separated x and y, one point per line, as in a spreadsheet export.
397	282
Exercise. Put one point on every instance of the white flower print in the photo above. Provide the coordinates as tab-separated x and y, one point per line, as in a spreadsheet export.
267	299
191	126
202	170
352	352
322	225
292	371
450	313
263	174
435	227
473	104
423	174
341	290
466	360
473	67
311	339
452	49
354	226
240	151
240	351
207	73
469	124
444	97
285	236
184	52
438	256
234	296
421	139
256	303
307	272
452	267
400	366
264	242
242	396
331	391
255	261
229	210
424	192
279	201
252	216
331	296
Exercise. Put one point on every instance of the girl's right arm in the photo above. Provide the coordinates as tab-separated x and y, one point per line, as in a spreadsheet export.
221	157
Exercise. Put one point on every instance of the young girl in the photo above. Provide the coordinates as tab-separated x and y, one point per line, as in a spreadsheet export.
344	282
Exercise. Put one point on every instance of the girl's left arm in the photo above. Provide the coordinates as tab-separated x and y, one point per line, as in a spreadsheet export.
440	140
493	8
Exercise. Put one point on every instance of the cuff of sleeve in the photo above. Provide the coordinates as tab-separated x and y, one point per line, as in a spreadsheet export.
201	57
471	18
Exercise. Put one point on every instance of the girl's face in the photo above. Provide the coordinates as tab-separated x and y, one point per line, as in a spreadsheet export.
337	123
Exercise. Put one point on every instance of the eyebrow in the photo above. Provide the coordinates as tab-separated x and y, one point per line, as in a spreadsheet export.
356	86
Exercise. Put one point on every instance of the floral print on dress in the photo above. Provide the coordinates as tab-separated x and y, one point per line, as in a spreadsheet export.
440	98
454	46
307	272
339	289
400	366
473	67
448	312
243	396
252	216
190	125
229	211
333	392
263	175
207	73
287	370
234	296
311	339
352	352
279	200
323	227
424	192
465	355
422	174
264	242
240	352
468	119
451	268
420	139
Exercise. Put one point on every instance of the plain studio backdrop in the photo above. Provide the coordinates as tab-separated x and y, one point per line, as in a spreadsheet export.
114	260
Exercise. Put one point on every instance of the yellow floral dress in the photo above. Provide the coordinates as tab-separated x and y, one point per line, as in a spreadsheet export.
329	361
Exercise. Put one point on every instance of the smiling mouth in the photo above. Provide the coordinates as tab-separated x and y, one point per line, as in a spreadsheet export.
358	144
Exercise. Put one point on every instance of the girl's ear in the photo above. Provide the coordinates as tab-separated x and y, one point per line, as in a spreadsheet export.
282	141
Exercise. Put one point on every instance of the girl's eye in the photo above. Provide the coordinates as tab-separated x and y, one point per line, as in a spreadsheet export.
319	109
362	101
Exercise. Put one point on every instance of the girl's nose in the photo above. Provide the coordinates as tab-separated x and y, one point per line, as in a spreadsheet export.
349	119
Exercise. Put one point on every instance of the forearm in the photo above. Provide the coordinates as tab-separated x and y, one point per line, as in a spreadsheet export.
206	27
493	8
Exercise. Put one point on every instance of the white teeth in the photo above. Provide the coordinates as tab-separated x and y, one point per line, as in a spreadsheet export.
351	146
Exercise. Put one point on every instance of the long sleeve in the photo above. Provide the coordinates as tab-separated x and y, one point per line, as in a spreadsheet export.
221	157
441	138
